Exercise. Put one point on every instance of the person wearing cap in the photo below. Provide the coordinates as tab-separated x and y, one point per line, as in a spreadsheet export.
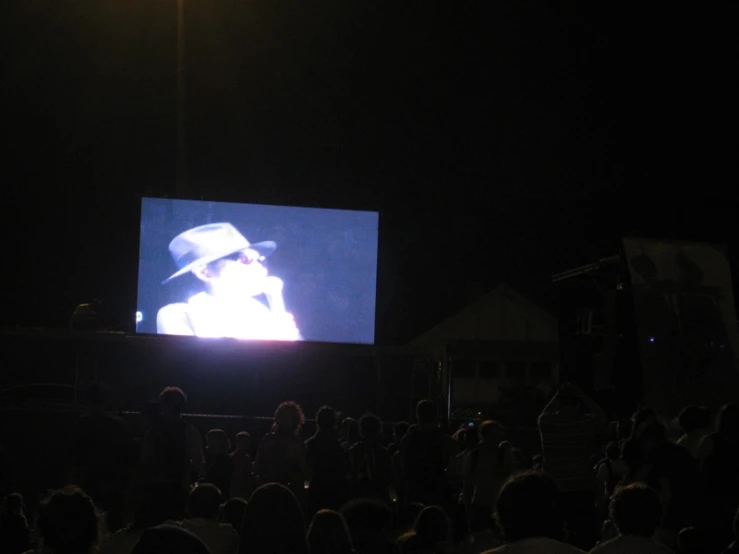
235	279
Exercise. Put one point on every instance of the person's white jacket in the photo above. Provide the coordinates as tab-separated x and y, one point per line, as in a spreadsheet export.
204	315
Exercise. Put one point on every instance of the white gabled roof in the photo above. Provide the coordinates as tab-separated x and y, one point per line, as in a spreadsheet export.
503	314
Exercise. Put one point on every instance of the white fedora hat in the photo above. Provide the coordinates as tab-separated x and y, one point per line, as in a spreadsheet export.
208	243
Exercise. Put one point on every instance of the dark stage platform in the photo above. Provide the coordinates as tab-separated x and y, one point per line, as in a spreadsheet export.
44	368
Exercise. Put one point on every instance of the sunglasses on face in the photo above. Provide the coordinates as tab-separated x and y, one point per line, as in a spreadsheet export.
245	258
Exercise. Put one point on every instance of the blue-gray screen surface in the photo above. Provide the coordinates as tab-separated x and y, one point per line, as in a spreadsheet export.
318	284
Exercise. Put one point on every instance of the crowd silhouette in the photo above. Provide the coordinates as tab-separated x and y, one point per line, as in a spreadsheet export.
656	487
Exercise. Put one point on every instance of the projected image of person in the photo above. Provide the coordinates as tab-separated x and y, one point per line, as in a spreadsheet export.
235	280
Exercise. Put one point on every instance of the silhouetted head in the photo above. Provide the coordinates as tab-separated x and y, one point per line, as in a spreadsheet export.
351	430
329	534
652	437
217	441
432	526
399	430
632	454
69	523
205	501
173	401
613	450
529	506
692	540
641	419
636	510
654	431
326	419
289	418
12	504
169	538
426	413
243	440
491	432
367	520
273	523
232	511
370	427
469	438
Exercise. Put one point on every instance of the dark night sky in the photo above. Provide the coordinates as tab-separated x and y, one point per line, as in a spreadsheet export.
500	140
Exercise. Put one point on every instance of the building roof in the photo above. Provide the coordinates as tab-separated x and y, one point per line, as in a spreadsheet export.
502	314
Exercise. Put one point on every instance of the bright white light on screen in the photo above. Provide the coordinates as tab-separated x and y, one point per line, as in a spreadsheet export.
319	286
